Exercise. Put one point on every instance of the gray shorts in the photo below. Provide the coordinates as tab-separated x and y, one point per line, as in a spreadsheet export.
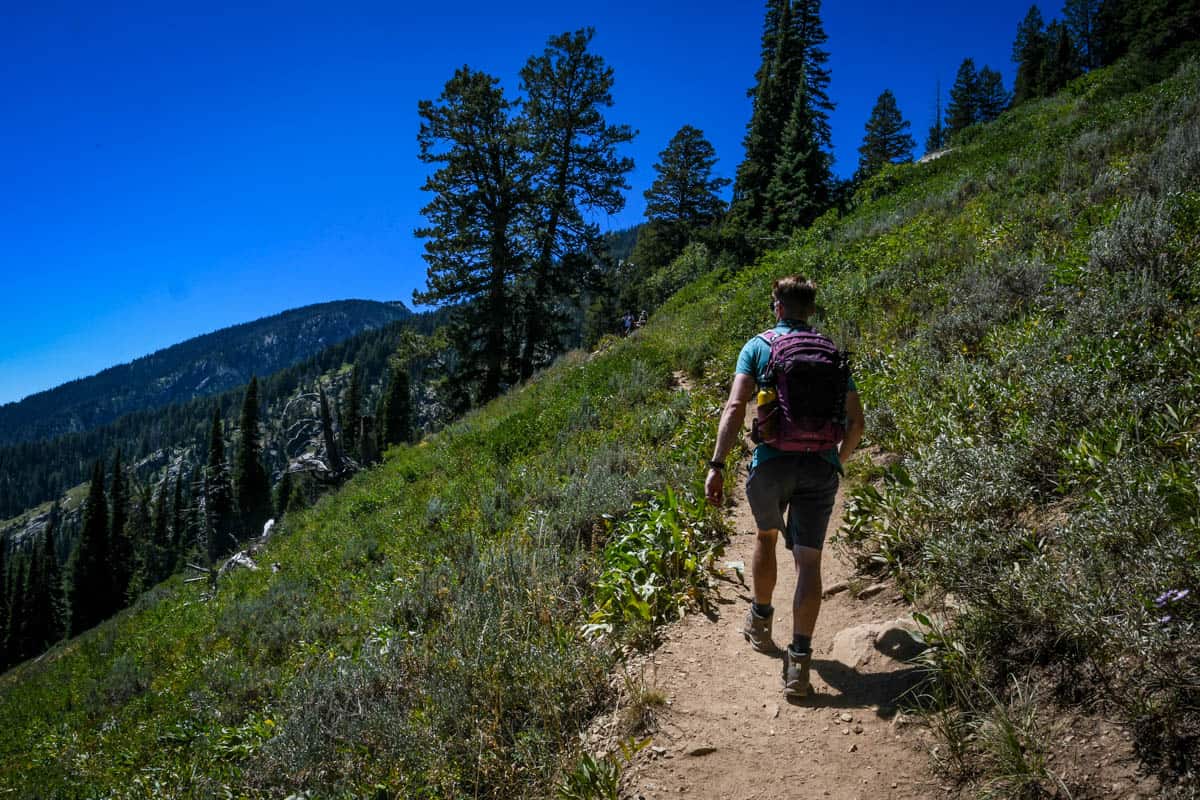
803	484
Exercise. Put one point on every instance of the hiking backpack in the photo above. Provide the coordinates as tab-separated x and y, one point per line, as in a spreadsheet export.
810	377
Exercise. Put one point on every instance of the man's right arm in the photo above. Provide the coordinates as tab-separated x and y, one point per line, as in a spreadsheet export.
729	429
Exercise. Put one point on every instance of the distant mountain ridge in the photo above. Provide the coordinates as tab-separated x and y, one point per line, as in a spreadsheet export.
198	367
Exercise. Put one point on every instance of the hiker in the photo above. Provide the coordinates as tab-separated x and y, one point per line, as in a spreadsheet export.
809	422
627	323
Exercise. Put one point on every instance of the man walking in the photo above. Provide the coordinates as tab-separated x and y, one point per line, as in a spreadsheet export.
809	422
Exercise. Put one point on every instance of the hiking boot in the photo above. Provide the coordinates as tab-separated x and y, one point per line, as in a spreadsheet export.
795	673
757	631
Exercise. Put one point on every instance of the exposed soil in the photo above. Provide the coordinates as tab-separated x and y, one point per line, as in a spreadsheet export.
728	731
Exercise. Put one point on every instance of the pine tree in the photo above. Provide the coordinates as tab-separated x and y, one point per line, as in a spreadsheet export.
473	245
767	120
799	190
936	140
219	519
684	196
120	546
162	549
576	172
141	537
56	604
5	608
333	454
353	408
1030	55
1062	66
20	618
963	111
283	493
992	99
886	140
251	484
91	583
397	408
1081	19
179	523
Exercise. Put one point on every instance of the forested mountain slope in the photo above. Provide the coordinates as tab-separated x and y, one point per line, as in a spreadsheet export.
1023	312
200	367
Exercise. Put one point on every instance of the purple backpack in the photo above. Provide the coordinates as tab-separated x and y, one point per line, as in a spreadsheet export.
811	377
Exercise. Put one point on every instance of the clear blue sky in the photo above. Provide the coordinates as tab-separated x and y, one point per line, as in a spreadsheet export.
168	169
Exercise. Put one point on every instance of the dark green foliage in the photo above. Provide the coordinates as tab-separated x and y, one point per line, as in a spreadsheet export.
91	571
1082	19
785	174
963	110
353	411
5	607
1062	66
472	242
684	196
252	486
1148	29
120	543
886	140
992	99
1030	54
575	171
396	412
938	136
220	520
161	552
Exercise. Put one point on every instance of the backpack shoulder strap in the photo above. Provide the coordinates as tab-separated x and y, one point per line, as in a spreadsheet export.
769	336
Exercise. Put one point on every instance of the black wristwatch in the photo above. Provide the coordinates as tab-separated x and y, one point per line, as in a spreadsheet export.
717	465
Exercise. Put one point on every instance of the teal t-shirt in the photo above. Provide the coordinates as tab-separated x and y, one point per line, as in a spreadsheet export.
752	361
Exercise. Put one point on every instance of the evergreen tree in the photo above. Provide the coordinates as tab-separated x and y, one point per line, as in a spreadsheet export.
1081	19
353	407
1030	55
798	191
886	140
992	99
55	602
5	608
473	246
141	537
283	493
575	171
219	520
20	618
120	546
963	111
783	141
684	196
937	138
1062	66
333	453
251	484
162	548
397	408
91	582
179	523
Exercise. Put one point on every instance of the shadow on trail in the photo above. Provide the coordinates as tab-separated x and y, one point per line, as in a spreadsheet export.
854	689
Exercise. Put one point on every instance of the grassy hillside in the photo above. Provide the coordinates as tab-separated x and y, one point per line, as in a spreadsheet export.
1023	312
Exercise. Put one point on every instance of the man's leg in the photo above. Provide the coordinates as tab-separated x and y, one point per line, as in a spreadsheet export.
763	566
757	628
806	604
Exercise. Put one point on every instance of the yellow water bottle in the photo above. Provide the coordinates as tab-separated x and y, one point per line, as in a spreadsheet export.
765	420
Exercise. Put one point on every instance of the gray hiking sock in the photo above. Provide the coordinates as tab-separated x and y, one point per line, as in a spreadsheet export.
801	644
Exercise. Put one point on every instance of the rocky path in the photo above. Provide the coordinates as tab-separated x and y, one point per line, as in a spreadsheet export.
728	731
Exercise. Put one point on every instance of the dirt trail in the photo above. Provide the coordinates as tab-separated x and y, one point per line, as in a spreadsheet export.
729	732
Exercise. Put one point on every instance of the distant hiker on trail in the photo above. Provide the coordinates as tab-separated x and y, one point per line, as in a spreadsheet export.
641	320
808	424
627	323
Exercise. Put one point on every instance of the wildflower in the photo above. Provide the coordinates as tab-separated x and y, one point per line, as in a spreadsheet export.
1164	619
1171	596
